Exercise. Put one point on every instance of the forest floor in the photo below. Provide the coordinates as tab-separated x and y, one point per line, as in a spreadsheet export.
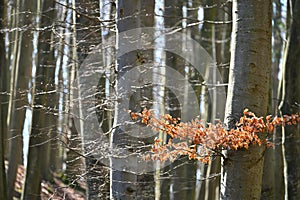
57	189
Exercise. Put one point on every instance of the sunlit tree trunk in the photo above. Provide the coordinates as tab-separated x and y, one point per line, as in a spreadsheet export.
249	76
107	83
58	150
208	41
3	99
173	184
125	184
273	182
74	163
193	167
215	38
219	30
43	110
22	74
13	49
88	35
289	104
277	138
5	73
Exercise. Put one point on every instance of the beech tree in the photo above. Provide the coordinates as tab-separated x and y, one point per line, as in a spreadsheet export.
44	120
290	97
248	87
22	67
215	39
87	32
56	38
3	193
127	184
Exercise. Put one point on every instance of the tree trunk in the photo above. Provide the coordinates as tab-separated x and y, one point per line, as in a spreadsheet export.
3	99
22	75
277	137
248	88
74	164
290	102
88	34
5	73
273	182
215	38
174	184
127	184
44	109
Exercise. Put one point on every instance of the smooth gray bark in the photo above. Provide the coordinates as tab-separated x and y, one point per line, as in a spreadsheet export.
127	184
248	88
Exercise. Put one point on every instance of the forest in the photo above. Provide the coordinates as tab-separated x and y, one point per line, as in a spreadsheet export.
149	99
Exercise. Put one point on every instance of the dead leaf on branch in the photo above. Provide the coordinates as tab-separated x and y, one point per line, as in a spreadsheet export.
208	139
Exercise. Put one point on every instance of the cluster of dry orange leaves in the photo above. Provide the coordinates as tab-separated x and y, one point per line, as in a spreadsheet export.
200	140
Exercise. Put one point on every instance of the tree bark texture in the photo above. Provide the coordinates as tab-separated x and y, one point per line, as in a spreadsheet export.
126	184
248	88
